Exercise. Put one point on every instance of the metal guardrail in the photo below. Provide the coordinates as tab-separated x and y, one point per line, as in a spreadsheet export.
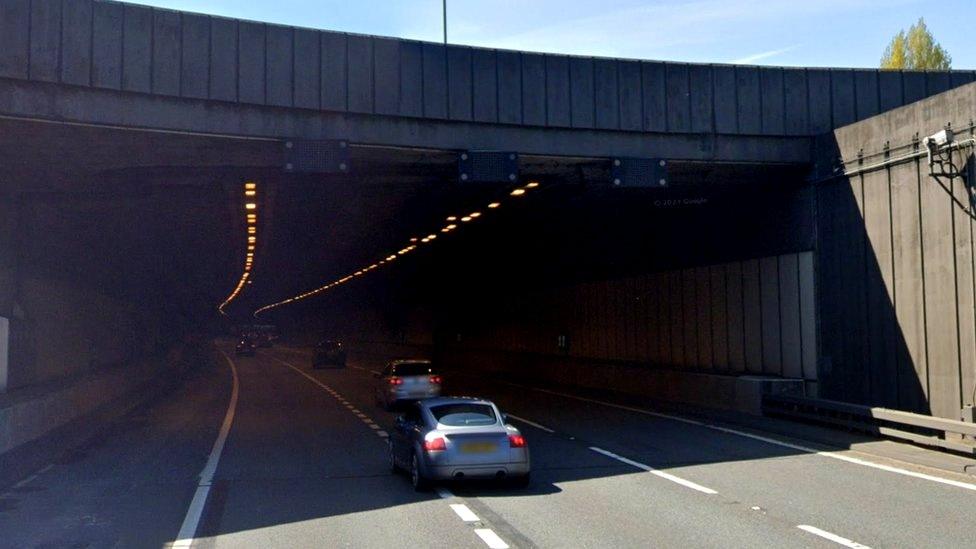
917	428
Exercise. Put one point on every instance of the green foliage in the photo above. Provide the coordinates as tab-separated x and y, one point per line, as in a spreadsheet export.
916	49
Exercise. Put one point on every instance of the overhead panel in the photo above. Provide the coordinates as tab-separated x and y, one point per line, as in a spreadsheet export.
639	172
316	156
488	167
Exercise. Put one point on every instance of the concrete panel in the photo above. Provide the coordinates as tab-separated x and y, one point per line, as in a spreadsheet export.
703	306
938	253
772	354
435	81
914	84
789	313
459	92
45	38
605	94
307	69
966	289
689	317
359	68
583	110
485	84
818	93
719	317
223	59
678	102
852	292
752	317
558	106
251	62
662	295
15	41
76	21
937	82
889	90
509	87
195	75
533	89
166	52
773	101
795	98
333	88
629	75
880	287
651	337
749	100
279	65
137	49
866	84
736	322
657	101
910	301
702	98
843	97
808	315
107	45
386	55
726	103
676	318
411	79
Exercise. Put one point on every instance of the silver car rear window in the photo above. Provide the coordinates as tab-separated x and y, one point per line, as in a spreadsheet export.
459	415
413	369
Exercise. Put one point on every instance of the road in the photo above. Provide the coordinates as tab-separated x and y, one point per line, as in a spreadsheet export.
304	464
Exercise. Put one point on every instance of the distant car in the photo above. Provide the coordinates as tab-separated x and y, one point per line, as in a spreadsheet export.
458	438
265	340
329	352
245	347
406	380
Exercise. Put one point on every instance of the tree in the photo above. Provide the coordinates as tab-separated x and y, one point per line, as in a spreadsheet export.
916	49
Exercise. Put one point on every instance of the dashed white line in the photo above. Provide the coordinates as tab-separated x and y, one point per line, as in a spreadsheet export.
532	423
188	530
491	538
653	471
444	493
832	537
467	515
768	440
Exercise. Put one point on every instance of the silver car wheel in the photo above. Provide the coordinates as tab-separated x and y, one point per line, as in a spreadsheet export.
418	481
393	463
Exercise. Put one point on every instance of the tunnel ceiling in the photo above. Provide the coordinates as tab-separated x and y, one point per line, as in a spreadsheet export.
157	217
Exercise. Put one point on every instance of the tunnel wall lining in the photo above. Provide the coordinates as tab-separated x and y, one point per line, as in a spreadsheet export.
896	265
126	47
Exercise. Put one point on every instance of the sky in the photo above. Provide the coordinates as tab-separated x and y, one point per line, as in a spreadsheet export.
816	33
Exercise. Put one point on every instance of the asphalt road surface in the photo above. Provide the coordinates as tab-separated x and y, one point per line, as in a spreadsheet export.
266	452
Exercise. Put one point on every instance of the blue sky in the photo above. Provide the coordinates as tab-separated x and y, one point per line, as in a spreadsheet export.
838	33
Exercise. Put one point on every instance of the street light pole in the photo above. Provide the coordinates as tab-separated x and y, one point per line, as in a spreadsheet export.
444	12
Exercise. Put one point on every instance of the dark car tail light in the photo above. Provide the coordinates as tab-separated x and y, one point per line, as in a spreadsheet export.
516	441
435	379
435	445
396	381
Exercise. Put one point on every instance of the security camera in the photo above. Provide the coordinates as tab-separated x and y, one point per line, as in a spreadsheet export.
939	140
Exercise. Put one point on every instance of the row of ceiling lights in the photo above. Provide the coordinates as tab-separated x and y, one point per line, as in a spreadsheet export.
250	211
454	222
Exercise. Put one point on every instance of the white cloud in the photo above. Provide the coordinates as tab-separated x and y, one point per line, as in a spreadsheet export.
763	55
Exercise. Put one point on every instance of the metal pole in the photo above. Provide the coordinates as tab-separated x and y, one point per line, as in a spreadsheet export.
444	12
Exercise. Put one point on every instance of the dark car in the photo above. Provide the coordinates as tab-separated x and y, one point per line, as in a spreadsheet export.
245	347
329	352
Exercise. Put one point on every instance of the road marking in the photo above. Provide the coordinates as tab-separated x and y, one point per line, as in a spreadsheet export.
467	515
189	528
444	493
653	471
532	423
768	440
491	538
373	426
383	433
832	537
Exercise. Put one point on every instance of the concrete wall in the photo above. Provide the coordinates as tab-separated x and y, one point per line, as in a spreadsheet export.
896	263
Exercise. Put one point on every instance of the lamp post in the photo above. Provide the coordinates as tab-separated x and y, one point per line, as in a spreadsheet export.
444	12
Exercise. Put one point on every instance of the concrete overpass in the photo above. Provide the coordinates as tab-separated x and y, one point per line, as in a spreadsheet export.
800	238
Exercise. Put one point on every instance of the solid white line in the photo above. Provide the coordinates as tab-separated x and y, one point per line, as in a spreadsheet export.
26	481
382	433
532	423
768	440
192	520
832	537
491	538
653	471
467	515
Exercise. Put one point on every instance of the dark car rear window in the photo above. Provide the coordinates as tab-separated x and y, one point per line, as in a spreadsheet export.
413	369
457	415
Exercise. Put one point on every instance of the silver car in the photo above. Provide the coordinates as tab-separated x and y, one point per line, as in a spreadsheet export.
406	380
457	438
